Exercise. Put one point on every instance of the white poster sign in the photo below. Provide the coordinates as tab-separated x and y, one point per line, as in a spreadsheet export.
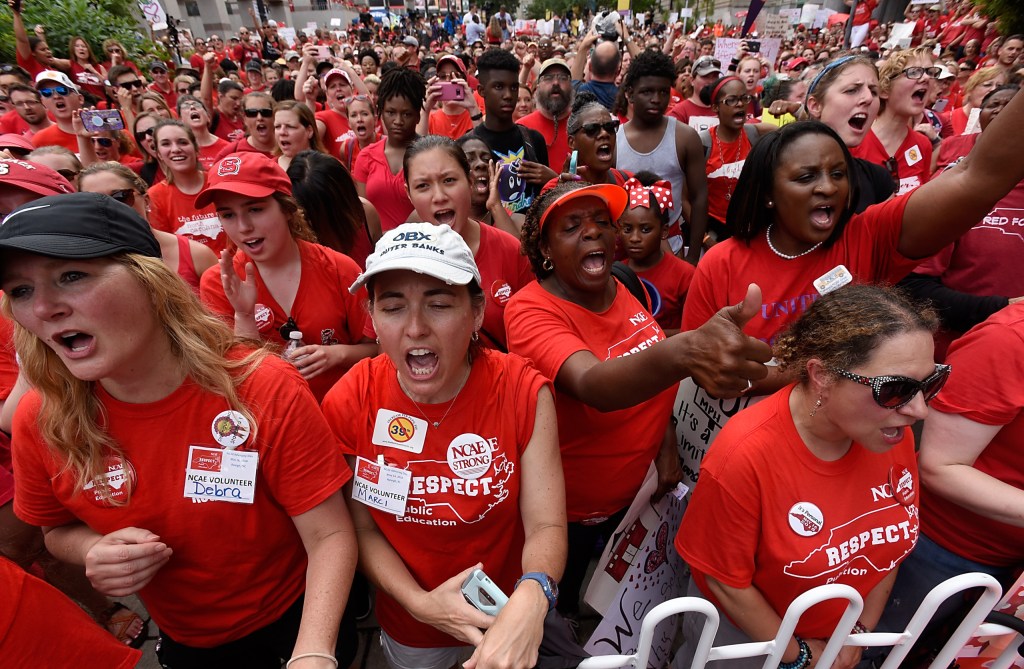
900	35
154	14
821	17
288	35
638	570
727	47
335	23
775	25
807	14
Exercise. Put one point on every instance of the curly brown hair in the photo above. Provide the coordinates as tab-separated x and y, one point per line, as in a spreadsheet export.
531	236
844	327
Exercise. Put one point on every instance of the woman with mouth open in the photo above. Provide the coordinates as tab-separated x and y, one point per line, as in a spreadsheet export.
279	280
796	234
362	121
891	141
196	116
141	403
592	131
470	434
614	369
441	187
789	481
295	131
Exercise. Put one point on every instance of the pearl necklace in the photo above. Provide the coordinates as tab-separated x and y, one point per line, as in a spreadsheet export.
785	256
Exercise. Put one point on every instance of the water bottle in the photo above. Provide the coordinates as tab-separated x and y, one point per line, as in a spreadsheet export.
294	343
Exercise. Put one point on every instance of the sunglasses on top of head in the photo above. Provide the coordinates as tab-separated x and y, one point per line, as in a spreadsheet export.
893	392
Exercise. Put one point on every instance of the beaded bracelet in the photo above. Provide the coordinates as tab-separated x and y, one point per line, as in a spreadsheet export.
803	660
303	656
859	628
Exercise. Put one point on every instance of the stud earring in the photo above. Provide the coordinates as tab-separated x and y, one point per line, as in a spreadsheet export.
817	405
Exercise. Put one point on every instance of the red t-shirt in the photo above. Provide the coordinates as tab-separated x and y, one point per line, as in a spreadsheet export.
440	123
723	166
385	190
11	122
324	310
29	605
605	454
175	212
236	567
456	515
31	65
556	139
768	513
54	136
240	146
208	155
694	115
337	129
913	158
984	387
670	278
170	97
227	129
867	248
503	271
87	81
862	14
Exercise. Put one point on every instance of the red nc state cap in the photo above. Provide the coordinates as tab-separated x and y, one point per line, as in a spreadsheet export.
247	173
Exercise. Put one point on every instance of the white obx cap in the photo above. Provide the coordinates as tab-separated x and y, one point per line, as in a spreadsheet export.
424	248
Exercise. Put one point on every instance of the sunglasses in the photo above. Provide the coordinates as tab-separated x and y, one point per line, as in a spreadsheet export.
59	90
288	328
105	142
113	49
142	135
915	73
129	85
893	392
124	196
594	129
70	175
894	170
356	98
4	98
265	112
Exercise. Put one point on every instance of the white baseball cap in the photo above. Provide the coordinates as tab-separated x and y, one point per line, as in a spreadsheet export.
424	248
55	76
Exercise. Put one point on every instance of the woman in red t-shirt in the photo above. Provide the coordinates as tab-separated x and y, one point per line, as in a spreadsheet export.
437	176
614	370
785	501
468	437
280	281
592	134
295	131
149	167
196	116
980	84
236	503
86	71
362	121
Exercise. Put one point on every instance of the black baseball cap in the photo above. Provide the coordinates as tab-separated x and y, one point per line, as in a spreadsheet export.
77	225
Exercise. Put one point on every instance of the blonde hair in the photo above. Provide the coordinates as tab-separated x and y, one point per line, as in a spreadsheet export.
896	63
124	172
159	100
982	76
71	416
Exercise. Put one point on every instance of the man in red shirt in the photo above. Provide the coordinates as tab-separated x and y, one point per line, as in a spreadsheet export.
162	83
62	100
28	110
196	60
692	111
554	102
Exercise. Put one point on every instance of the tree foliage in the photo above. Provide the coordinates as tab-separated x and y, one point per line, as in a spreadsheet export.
538	9
95	20
1009	13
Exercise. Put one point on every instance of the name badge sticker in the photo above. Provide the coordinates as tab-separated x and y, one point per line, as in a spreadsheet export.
913	155
834	279
399	430
215	475
381	486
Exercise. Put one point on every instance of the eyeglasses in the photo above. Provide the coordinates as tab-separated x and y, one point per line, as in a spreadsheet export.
187	106
594	129
915	73
105	142
265	112
70	175
142	135
893	392
4	98
27	103
561	78
124	196
738	100
59	90
129	85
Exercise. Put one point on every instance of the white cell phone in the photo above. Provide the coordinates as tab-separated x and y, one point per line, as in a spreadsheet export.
480	591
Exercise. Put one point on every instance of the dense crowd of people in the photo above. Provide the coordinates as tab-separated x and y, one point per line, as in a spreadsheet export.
392	305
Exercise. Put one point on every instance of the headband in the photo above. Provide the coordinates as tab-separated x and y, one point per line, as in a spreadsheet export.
638	194
828	68
722	82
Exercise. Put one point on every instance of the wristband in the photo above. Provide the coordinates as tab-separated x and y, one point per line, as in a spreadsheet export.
859	628
803	660
302	656
546	583
476	117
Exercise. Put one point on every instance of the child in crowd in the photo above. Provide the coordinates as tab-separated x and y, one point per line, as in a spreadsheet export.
643	227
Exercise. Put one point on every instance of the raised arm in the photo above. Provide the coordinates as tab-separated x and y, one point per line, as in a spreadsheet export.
579	63
206	82
943	209
718	356
20	36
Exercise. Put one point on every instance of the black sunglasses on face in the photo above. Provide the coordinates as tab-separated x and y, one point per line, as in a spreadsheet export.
59	90
129	85
70	175
594	129
124	196
265	112
141	135
105	142
893	392
4	98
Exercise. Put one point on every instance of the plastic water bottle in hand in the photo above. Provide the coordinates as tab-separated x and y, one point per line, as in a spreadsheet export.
294	343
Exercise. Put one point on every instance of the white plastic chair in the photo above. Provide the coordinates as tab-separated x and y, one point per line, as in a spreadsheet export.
841	636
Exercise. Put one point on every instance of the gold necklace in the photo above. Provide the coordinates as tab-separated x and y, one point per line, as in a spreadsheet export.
437	423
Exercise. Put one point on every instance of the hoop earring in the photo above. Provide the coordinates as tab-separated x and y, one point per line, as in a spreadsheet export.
547	265
817	405
476	336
